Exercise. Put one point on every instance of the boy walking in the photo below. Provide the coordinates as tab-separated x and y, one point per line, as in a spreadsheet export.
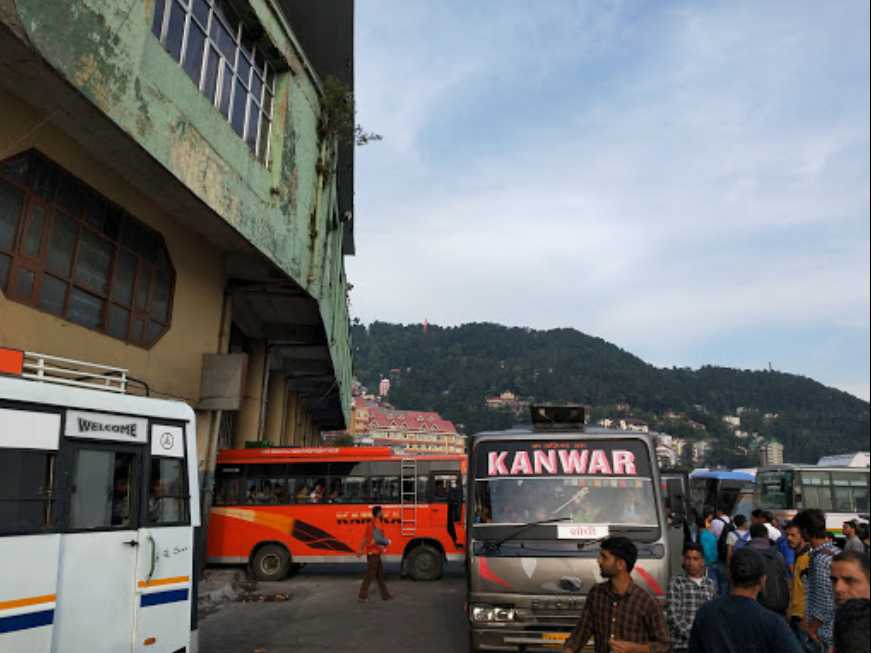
687	593
373	545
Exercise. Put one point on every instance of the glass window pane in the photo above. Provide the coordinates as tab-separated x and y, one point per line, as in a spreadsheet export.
103	490
244	69
267	484
225	42
175	30
157	23
11	201
160	299
193	60
210	85
239	100
257	88
125	276
167	492
201	11
226	90
5	264
69	194
253	126
119	318
24	281
94	261
227	14
44	179
138	333
52	294
85	309
33	234
95	210
27	481
263	148
61	245
155	330
143	285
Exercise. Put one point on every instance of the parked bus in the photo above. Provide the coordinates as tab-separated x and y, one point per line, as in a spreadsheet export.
840	492
541	499
731	492
98	512
276	509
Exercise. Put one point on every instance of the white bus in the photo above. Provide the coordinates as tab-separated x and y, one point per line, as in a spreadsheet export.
98	511
840	492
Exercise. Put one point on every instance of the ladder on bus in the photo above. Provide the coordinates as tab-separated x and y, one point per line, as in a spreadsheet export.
408	496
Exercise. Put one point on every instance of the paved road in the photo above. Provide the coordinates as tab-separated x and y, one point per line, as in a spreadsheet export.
323	614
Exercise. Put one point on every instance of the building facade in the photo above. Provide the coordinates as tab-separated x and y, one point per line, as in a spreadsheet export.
176	199
771	453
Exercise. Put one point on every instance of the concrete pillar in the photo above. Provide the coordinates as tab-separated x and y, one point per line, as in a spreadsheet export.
248	423
275	404
291	405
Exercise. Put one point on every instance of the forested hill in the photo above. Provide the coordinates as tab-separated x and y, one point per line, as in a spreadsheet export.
452	370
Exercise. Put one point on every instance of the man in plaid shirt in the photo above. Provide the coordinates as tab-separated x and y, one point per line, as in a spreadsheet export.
820	610
622	617
686	594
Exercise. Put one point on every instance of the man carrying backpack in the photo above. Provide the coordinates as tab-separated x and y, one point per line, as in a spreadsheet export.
738	538
775	592
721	526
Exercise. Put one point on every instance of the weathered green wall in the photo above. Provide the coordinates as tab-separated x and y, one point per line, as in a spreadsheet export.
105	48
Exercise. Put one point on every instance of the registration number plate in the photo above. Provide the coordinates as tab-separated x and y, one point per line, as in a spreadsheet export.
554	639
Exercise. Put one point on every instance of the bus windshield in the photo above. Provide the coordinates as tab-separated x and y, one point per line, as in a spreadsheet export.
581	500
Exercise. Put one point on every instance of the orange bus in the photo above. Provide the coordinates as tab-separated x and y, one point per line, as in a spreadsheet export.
278	509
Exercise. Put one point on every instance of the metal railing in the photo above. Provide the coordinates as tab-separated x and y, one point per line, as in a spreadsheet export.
68	371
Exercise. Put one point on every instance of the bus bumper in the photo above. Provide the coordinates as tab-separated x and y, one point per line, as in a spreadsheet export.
517	638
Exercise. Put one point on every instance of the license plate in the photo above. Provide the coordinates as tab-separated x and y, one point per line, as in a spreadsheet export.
554	639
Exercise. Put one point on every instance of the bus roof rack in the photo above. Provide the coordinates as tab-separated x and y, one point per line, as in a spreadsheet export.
68	371
558	417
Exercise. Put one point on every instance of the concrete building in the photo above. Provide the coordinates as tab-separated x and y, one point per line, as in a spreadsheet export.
412	431
176	199
732	420
771	453
384	387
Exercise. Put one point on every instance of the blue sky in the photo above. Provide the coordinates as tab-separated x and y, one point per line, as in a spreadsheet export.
687	180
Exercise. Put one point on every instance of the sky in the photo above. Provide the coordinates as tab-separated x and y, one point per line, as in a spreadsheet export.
687	180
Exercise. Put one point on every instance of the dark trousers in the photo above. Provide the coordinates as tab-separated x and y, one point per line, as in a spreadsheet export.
374	571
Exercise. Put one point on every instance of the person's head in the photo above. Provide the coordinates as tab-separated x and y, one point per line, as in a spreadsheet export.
850	577
758	531
812	523
693	560
617	555
376	513
757	516
851	633
849	528
706	518
768	517
740	521
747	570
794	536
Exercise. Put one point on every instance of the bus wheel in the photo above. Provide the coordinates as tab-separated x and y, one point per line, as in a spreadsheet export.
425	563
271	562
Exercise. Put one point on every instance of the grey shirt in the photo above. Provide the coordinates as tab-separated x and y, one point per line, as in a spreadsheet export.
854	544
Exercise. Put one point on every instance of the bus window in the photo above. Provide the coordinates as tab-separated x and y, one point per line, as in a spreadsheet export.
775	490
167	492
307	482
26	491
816	490
851	491
229	484
103	490
384	489
266	484
348	482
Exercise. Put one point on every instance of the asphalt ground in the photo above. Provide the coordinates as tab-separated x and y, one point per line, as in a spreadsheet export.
317	610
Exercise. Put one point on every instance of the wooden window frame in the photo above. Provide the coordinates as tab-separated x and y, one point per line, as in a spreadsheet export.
38	265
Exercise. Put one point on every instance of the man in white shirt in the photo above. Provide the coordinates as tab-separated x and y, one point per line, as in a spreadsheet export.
763	517
738	538
721	518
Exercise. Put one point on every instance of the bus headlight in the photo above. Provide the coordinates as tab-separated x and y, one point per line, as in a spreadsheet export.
490	614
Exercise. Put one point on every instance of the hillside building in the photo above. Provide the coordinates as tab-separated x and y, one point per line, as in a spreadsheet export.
172	202
771	453
411	431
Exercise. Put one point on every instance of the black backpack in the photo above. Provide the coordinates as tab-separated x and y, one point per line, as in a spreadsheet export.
722	547
775	594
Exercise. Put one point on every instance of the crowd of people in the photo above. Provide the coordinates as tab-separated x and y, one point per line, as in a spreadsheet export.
748	586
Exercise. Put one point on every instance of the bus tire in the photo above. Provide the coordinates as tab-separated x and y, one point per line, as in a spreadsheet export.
425	563
270	563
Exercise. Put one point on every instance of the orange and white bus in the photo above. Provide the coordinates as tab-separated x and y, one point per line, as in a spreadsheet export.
277	509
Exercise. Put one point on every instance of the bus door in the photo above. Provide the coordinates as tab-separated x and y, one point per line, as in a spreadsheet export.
165	551
103	464
446	488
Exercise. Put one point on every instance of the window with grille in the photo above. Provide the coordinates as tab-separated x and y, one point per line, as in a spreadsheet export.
67	250
226	60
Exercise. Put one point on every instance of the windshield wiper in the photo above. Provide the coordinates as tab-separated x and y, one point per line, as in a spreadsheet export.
495	544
